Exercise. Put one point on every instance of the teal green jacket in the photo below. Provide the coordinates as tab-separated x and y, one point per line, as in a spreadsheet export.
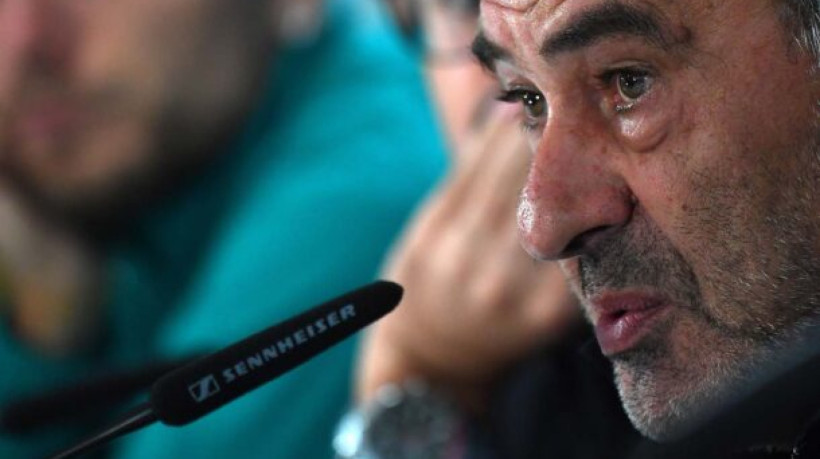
331	165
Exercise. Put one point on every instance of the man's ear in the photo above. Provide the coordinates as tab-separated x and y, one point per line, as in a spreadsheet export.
297	21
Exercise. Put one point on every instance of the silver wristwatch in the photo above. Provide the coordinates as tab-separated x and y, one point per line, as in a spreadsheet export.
403	421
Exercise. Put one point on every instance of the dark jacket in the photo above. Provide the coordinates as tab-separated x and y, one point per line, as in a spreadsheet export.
780	420
562	403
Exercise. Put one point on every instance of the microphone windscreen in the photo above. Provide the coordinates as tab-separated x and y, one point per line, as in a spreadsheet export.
204	385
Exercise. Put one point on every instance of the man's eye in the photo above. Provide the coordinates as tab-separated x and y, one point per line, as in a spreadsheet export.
632	84
534	103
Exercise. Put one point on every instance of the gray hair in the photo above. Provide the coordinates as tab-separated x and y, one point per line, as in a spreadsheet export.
803	18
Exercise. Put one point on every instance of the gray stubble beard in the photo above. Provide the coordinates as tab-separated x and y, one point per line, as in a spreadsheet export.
670	388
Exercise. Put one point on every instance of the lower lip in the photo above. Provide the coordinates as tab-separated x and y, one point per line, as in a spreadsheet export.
617	334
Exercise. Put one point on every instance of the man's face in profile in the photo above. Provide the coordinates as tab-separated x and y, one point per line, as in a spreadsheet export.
99	98
675	170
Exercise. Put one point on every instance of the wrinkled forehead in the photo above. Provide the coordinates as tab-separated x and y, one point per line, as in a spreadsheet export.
516	25
521	26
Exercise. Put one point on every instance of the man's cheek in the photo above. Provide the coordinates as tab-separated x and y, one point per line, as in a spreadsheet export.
672	192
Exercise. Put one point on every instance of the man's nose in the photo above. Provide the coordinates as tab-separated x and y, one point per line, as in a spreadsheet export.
36	33
574	195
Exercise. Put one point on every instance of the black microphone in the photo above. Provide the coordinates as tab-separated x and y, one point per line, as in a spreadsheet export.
188	393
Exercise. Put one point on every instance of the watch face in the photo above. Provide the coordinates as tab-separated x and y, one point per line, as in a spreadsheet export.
414	423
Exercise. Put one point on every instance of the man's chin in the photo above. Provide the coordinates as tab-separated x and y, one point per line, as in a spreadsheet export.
666	408
83	204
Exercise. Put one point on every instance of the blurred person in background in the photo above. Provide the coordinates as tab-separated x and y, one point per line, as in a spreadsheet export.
179	174
459	259
440	32
675	177
480	323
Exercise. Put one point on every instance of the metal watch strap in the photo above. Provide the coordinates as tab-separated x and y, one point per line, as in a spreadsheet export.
403	421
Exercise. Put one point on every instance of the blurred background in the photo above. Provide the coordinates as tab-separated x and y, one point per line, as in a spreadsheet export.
178	174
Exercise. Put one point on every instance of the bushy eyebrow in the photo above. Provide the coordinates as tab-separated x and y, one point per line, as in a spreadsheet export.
608	20
605	21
